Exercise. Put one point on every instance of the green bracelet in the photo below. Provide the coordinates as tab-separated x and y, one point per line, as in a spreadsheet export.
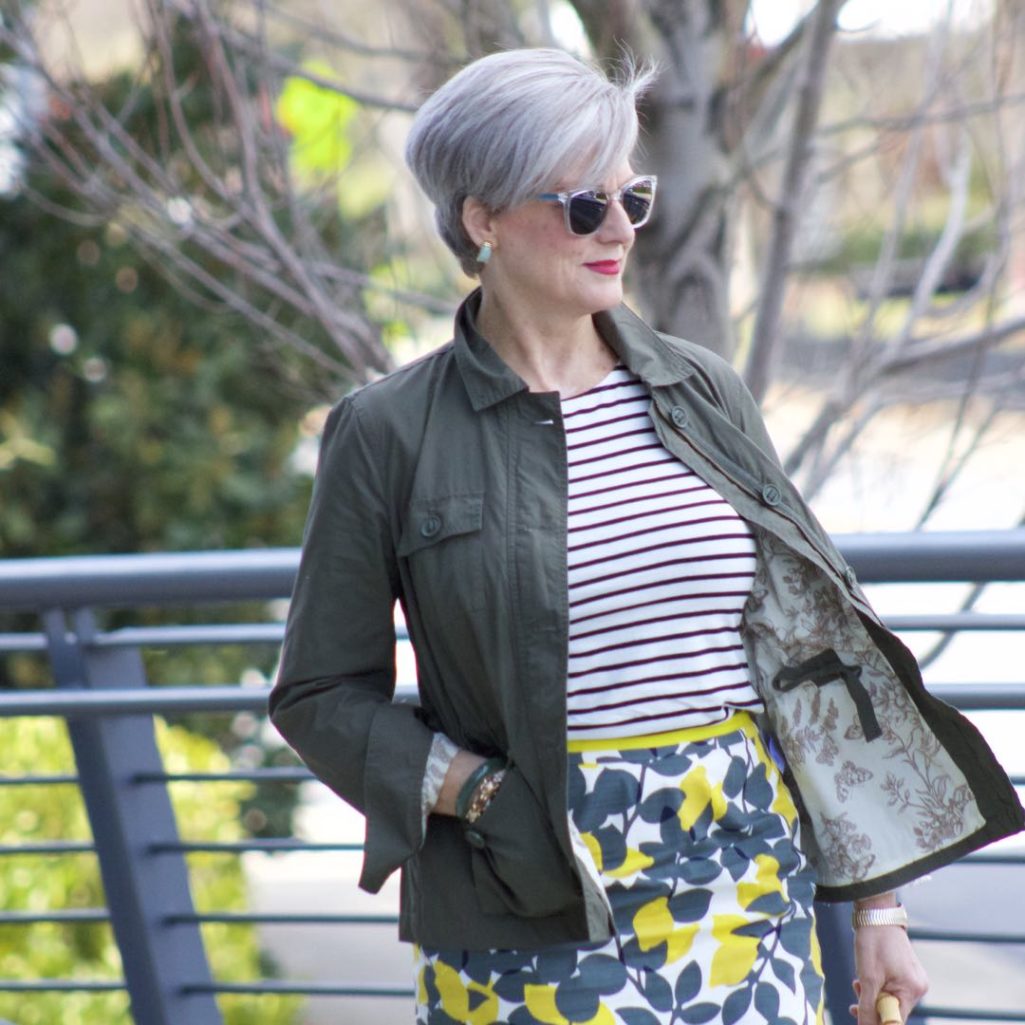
473	781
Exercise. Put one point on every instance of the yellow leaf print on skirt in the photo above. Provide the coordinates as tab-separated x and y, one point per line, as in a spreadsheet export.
540	1001
455	997
653	924
591	843
698	793
422	995
733	960
783	805
766	881
633	863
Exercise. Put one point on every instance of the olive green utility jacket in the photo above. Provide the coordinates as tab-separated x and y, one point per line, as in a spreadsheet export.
443	486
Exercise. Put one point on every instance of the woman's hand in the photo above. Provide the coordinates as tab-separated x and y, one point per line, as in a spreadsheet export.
885	962
459	771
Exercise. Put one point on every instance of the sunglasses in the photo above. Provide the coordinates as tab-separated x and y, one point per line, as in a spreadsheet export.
585	209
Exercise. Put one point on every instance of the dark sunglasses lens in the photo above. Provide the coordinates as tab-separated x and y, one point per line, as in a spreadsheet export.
637	202
586	212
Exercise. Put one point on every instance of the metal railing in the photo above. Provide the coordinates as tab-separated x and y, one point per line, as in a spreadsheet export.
100	689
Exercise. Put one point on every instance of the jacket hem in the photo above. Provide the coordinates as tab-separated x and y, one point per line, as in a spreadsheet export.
933	862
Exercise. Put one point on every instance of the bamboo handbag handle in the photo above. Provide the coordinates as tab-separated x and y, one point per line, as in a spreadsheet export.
888	1009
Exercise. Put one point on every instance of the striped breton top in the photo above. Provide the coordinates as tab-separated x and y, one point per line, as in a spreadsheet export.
659	566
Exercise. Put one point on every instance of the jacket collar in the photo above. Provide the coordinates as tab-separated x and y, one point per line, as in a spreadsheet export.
645	352
489	381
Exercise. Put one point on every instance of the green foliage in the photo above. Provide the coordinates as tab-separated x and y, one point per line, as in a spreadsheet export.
130	420
860	247
86	951
318	120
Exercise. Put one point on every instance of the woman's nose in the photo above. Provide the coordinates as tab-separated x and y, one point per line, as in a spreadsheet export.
617	227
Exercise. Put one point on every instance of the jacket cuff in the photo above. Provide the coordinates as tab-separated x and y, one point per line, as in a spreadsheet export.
397	751
442	754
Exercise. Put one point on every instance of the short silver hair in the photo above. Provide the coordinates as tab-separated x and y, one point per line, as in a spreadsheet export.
512	124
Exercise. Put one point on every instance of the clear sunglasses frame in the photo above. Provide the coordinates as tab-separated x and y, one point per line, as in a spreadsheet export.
604	196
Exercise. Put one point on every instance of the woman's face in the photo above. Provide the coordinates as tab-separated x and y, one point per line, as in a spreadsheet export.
538	263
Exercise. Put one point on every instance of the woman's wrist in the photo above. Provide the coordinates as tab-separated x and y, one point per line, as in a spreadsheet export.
463	765
474	783
881	910
879	900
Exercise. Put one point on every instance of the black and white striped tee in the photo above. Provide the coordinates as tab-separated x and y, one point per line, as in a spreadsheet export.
659	567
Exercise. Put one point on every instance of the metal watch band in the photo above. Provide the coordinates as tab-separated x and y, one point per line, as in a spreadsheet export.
880	916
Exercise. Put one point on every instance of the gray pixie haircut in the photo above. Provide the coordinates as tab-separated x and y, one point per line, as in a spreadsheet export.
512	124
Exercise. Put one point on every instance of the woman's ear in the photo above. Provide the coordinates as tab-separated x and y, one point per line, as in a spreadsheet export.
478	221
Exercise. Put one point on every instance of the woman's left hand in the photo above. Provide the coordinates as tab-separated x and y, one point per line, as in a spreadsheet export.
885	963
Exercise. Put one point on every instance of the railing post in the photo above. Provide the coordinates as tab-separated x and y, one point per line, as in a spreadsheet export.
837	942
162	960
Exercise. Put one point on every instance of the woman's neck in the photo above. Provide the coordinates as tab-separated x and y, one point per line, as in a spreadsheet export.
551	353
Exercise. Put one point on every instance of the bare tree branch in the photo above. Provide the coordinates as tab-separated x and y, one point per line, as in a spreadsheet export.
813	73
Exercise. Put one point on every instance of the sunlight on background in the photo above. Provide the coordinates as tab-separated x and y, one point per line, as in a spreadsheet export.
773	19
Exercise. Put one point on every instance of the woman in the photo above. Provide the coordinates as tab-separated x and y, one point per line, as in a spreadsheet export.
614	594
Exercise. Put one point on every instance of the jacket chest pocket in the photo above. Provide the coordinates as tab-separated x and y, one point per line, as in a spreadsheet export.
442	545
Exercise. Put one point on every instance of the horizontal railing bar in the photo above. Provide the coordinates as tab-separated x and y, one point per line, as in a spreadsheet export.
54	847
952	936
272	845
198	634
194	635
936	556
959	621
194	577
967	1013
160	636
206	634
165	578
12	642
42	781
280	918
982	696
282	987
281	774
157	700
69	916
985	858
141	701
59	986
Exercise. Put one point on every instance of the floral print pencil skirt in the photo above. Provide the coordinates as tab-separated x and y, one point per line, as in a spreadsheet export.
696	843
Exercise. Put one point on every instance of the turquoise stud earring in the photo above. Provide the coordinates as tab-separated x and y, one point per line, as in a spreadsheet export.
484	253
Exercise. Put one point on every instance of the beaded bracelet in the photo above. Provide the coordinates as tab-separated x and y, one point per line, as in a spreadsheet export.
483	795
474	780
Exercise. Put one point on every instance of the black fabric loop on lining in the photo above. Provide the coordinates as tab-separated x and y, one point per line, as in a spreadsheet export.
823	668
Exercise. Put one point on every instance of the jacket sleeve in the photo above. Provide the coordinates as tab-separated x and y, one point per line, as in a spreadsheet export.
740	406
748	417
333	697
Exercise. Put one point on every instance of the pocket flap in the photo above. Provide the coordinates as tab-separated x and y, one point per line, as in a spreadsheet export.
432	520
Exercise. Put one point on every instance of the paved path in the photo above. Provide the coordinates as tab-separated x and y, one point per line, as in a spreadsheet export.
362	954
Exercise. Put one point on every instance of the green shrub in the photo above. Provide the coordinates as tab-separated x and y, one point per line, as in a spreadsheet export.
34	814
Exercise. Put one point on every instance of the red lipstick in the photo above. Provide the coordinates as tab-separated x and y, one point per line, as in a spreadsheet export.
610	267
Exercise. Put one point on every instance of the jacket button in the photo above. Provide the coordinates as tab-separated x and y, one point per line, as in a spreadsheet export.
771	495
430	526
679	416
850	577
475	839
